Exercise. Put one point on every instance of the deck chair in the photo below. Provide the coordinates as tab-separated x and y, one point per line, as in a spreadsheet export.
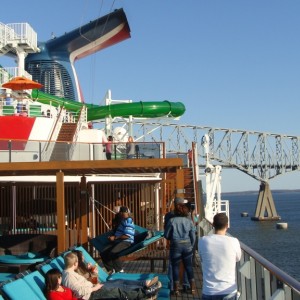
55	263
142	240
37	282
20	289
58	262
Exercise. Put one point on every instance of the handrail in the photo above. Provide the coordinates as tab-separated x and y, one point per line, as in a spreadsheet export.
81	119
41	150
53	135
281	275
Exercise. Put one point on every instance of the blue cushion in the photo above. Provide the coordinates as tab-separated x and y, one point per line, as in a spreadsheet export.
6	276
37	282
19	289
29	255
21	260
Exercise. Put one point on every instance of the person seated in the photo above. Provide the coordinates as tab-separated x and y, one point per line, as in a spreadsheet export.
122	238
54	290
86	290
90	272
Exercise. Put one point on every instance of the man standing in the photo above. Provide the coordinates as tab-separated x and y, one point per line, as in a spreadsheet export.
219	254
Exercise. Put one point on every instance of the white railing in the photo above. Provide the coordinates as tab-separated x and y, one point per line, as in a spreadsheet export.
8	73
21	32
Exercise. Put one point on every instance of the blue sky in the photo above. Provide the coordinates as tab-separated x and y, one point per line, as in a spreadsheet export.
234	63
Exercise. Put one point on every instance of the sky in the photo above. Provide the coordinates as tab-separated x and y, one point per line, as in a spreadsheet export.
233	63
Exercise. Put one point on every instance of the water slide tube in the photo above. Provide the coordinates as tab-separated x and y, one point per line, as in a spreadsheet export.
140	109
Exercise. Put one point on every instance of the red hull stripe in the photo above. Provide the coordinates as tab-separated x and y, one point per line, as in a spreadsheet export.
15	127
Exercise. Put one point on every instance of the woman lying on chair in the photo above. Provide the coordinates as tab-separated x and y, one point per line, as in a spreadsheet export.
87	290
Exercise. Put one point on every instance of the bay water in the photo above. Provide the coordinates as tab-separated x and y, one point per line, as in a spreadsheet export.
280	246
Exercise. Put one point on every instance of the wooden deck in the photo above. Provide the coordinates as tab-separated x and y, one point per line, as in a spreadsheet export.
144	266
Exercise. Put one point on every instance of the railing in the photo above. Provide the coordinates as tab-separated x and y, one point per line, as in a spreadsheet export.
35	151
257	278
8	73
21	32
82	118
46	154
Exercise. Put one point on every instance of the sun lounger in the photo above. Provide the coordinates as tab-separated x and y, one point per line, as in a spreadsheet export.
141	241
20	289
22	259
57	262
37	282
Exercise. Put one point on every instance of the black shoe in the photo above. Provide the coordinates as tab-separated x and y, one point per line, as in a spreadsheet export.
186	289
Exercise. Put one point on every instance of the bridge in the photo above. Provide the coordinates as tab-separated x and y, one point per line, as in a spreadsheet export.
261	155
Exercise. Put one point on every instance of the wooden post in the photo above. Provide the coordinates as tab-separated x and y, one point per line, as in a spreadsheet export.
83	211
60	205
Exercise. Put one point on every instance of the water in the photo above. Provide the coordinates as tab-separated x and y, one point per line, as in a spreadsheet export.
279	246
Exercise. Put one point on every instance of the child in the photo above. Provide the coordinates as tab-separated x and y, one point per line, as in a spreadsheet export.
54	290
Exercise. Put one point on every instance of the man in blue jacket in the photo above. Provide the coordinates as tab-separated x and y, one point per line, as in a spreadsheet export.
123	238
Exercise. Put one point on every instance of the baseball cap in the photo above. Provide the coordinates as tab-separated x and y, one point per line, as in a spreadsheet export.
124	209
180	200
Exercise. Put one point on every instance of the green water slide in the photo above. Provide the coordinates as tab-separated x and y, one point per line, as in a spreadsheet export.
140	109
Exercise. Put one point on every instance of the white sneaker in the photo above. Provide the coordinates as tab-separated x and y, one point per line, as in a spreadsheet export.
112	272
121	271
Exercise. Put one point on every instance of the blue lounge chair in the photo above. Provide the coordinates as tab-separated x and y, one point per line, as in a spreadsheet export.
37	282
28	258
58	262
20	289
141	240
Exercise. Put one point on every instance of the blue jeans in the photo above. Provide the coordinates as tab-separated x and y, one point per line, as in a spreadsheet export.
220	297
124	284
110	257
181	251
170	275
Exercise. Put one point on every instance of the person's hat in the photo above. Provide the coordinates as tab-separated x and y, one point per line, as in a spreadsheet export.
124	209
180	201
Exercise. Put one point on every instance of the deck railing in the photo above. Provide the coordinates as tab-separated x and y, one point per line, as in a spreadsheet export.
36	151
258	278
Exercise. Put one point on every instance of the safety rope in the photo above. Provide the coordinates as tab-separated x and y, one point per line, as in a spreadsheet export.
93	201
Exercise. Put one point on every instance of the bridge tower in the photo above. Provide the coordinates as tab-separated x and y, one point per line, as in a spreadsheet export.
265	207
